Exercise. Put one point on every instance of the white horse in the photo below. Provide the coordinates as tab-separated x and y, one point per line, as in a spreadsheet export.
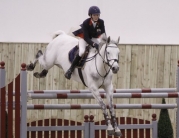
97	71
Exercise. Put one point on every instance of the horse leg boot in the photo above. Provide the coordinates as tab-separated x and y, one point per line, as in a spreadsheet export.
101	103
31	66
109	95
110	129
42	74
117	131
73	65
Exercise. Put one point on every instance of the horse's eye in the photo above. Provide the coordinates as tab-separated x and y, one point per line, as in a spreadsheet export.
107	52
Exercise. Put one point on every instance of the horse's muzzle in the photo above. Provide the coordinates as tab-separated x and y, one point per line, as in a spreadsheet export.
115	69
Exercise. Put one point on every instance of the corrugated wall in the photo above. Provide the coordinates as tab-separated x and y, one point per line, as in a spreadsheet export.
141	66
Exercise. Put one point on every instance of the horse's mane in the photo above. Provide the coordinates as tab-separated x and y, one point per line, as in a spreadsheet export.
113	42
103	39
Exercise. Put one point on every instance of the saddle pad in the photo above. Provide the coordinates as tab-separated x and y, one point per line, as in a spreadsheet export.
74	51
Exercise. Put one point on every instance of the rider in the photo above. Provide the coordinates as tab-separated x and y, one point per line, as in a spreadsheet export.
92	27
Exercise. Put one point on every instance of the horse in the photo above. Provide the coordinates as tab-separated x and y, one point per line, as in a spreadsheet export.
97	72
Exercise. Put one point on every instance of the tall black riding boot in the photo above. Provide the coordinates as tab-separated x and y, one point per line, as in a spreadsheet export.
73	65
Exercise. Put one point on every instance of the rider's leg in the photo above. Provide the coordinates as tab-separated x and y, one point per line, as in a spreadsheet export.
82	46
73	65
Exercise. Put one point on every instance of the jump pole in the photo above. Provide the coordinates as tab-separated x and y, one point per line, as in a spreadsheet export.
145	90
96	106
103	95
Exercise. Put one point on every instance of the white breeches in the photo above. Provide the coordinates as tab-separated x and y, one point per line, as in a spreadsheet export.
82	42
82	46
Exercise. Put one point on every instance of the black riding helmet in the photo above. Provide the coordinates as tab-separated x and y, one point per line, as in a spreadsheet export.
93	10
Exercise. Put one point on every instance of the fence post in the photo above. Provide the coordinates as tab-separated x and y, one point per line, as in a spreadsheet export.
91	127
2	101
23	87
86	127
177	100
2	74
154	126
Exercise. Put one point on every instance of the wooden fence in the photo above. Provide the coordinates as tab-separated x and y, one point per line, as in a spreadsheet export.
141	66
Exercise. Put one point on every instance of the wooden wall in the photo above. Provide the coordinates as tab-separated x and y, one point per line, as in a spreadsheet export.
141	66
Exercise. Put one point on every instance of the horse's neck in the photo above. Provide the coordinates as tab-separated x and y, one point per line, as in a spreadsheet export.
102	67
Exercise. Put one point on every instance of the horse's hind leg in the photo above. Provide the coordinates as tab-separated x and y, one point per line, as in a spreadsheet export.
47	62
41	75
31	66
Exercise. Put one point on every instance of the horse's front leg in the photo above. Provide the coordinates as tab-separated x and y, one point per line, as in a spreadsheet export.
109	96
100	101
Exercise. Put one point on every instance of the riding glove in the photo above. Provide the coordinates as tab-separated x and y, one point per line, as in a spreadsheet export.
96	46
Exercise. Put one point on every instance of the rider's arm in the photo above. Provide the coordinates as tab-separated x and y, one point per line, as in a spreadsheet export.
86	34
102	27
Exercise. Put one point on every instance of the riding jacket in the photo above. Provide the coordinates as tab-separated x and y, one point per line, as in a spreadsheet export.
88	31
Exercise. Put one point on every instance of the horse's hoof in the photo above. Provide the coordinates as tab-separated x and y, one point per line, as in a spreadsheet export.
117	134
37	75
110	132
30	67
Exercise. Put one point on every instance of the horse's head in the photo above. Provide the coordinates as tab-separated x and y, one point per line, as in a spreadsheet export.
111	54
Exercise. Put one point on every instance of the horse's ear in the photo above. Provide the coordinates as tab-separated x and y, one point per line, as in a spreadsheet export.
104	37
109	39
117	42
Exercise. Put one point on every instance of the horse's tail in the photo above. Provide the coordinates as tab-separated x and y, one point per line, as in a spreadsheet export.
57	33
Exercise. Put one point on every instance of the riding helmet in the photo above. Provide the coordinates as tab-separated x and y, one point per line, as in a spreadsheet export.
93	10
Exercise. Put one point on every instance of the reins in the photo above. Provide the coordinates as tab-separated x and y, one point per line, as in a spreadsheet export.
108	60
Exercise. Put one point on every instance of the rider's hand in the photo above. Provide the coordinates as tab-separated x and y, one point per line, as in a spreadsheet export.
96	46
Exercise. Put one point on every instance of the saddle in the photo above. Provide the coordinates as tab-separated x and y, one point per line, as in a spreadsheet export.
74	51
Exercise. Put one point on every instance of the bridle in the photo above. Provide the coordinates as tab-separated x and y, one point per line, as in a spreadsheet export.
106	62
